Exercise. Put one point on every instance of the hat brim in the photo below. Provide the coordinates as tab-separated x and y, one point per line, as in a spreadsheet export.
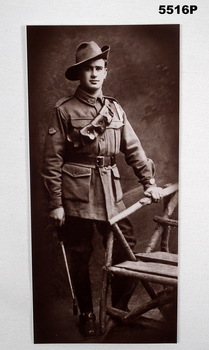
72	72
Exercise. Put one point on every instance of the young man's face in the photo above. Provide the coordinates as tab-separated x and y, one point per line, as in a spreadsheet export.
92	75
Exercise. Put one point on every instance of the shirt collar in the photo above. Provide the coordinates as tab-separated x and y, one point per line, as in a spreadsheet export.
87	98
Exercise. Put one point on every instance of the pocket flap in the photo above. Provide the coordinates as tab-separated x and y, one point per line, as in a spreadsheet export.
115	124
80	123
76	170
115	172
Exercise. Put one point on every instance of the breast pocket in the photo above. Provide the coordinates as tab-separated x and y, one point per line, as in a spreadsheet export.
76	182
114	136
118	193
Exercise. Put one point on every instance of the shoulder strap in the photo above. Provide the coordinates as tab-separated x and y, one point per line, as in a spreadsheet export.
111	98
62	100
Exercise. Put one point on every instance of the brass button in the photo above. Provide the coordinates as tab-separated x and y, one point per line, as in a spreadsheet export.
52	131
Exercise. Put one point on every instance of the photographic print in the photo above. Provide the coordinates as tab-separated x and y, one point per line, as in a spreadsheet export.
104	162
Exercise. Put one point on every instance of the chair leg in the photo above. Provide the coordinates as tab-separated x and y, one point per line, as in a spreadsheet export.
153	294
165	239
155	303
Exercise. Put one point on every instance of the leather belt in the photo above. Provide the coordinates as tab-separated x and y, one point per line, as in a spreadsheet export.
99	161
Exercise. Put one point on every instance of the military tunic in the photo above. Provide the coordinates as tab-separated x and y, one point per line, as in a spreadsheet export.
86	190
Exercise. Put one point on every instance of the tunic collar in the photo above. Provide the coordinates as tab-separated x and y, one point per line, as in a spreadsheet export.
87	98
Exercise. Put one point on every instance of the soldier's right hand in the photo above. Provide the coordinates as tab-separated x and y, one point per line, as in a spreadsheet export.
57	216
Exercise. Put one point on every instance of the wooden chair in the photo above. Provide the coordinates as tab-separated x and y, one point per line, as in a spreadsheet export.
153	268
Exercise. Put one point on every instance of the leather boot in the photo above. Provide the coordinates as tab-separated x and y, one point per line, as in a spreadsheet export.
87	324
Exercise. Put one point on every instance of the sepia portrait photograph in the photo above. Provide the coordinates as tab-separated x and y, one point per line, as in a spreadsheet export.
104	162
104	190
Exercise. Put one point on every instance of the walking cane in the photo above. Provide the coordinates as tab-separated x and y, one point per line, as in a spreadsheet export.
75	307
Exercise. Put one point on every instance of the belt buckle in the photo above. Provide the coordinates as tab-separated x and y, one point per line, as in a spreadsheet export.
100	161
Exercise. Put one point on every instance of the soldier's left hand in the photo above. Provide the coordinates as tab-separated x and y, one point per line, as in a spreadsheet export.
156	193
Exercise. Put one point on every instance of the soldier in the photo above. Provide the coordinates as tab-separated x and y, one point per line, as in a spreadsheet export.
86	133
